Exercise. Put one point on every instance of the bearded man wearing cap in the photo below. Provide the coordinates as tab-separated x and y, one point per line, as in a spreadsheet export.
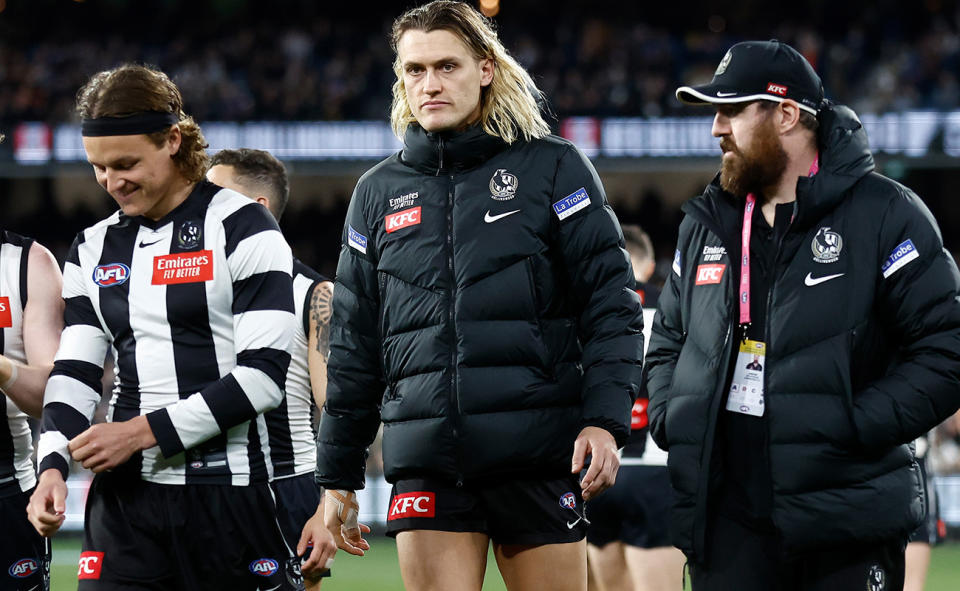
798	475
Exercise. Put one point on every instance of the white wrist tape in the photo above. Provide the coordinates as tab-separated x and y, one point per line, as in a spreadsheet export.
348	509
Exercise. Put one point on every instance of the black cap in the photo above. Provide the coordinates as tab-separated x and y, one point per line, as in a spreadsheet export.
759	70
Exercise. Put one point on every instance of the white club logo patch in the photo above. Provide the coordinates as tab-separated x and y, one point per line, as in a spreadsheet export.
723	64
876	579
826	246
503	185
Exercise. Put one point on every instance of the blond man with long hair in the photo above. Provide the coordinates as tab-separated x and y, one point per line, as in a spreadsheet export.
483	312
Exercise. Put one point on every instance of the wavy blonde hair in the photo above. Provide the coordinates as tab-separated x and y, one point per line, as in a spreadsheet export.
509	104
133	88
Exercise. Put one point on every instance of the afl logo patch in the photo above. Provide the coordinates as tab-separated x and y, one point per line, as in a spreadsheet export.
264	567
23	568
111	274
568	501
826	246
876	579
189	234
503	185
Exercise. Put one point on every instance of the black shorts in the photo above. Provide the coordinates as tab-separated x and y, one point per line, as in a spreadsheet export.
933	530
517	511
297	500
742	559
141	535
24	554
635	510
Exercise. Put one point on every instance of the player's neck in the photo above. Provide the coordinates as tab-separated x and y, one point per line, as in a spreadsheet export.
176	193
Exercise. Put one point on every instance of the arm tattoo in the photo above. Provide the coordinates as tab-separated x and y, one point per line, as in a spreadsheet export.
320	312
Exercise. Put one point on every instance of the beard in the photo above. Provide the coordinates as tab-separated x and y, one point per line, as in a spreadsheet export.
754	169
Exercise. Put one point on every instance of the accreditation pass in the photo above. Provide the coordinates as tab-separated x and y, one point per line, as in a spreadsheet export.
746	389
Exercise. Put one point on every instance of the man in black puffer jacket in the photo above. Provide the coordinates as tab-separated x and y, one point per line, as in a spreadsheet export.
484	310
799	475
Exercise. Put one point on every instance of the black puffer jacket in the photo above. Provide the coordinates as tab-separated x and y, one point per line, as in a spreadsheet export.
857	365
483	326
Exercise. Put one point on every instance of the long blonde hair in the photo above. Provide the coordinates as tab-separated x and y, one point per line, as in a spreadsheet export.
509	105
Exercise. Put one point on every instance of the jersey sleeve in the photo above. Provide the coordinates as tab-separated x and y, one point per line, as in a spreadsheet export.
601	282
73	389
355	383
260	265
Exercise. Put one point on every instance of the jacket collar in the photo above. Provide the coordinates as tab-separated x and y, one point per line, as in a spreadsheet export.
448	151
844	159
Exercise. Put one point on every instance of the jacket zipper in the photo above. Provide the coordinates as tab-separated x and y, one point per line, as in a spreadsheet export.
454	390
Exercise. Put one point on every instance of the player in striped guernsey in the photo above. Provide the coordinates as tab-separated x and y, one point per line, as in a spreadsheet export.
260	176
190	286
29	333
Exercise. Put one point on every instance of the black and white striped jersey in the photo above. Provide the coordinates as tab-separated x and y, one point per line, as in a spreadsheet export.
293	448
16	442
198	310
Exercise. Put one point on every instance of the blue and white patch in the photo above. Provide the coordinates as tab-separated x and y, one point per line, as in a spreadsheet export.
572	203
356	240
901	255
676	262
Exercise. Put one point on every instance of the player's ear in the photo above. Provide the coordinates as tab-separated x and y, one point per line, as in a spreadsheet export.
174	138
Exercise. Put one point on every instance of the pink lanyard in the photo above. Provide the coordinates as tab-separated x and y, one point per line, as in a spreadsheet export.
745	248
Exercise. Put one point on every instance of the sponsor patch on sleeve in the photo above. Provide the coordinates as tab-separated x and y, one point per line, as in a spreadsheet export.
572	203
901	255
709	274
356	240
676	262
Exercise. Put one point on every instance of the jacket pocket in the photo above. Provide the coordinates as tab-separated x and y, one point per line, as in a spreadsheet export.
547	360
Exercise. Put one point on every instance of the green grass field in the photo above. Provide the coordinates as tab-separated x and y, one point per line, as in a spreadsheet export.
378	570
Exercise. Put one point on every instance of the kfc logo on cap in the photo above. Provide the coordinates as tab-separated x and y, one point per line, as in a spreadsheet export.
709	274
90	565
777	89
413	504
402	219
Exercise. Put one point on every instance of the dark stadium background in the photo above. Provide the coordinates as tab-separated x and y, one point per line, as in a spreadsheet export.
609	69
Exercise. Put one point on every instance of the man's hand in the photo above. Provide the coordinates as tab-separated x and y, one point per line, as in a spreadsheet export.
601	475
340	514
324	547
105	446
48	503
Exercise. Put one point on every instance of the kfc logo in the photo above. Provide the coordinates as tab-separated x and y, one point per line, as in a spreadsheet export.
777	89
709	274
413	504
638	414
90	565
402	219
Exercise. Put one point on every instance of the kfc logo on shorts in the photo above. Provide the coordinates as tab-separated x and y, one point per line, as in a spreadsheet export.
777	89
709	274
23	568
568	501
264	567
413	504
638	414
6	320
402	219
90	565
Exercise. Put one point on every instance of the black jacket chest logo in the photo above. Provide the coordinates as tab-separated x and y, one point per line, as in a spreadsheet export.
826	246
503	185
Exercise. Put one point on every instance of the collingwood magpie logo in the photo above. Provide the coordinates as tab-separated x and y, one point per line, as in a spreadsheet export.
876	579
189	234
826	246
503	185
723	64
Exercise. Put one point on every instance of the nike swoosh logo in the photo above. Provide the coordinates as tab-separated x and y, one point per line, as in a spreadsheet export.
725	94
143	244
273	588
492	218
809	281
570	524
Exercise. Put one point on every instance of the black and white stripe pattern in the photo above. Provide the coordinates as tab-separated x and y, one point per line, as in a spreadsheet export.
16	442
202	358
293	448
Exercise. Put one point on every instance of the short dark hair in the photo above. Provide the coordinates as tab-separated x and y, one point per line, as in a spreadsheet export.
260	171
134	88
637	241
